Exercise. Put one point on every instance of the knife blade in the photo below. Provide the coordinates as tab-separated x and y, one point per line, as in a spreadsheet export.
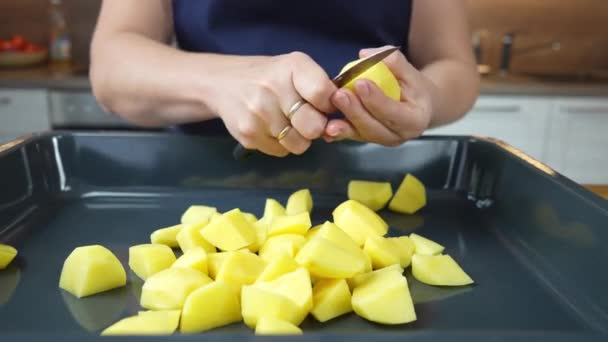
340	81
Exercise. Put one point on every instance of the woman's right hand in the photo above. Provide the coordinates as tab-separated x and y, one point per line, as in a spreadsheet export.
253	94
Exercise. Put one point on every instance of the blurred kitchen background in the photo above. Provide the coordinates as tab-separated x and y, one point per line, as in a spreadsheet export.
544	88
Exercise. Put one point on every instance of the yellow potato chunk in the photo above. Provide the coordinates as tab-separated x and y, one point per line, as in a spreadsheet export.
410	196
295	224
296	286
361	278
424	246
281	265
440	270
405	249
230	232
272	210
383	252
274	326
257	302
210	306
384	298
261	232
7	254
9	281
374	195
381	75
251	218
145	323
195	258
331	232
299	202
168	289
91	269
275	246
190	237
166	236
198	214
215	261
312	232
331	298
326	259
358	221
148	259
240	268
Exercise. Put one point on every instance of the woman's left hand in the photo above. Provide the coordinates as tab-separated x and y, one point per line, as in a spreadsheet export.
371	116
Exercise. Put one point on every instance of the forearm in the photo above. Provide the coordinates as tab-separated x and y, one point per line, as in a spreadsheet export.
455	87
149	83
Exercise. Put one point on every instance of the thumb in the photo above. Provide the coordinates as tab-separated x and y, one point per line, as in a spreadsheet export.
396	61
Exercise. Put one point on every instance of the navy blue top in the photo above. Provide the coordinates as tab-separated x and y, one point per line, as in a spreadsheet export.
330	31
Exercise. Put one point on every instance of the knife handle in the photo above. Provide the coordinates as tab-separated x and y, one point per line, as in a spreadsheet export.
240	152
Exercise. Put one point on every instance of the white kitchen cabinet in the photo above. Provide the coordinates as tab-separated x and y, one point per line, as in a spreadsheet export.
577	145
23	111
520	121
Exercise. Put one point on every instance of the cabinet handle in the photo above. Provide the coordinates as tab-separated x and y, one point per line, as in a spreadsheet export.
584	110
5	101
498	109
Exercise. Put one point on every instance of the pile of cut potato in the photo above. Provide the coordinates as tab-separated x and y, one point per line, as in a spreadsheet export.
274	271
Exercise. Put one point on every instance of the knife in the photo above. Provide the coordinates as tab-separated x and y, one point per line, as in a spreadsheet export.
340	81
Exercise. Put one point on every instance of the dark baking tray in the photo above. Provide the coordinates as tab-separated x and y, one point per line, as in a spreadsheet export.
534	241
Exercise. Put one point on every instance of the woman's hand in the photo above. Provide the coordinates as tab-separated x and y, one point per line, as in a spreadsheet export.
253	94
371	116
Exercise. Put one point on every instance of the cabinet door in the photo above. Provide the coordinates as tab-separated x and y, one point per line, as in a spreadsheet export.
578	140
23	111
519	121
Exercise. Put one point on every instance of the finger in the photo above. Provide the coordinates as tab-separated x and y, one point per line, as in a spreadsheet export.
266	106
251	133
309	122
312	82
398	117
339	129
363	122
294	142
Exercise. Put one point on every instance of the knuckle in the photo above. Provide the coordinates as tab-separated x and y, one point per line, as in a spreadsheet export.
258	100
247	130
298	57
301	147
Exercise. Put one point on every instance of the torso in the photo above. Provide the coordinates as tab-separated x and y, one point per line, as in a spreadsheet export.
330	31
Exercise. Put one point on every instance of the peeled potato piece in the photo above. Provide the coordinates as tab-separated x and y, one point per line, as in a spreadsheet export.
440	270
91	269
326	259
299	202
210	306
166	236
425	246
148	259
410	196
274	326
198	214
295	224
146	323
240	268
190	237
230	232
374	195
7	254
359	221
363	277
168	289
331	298
195	258
278	267
384	298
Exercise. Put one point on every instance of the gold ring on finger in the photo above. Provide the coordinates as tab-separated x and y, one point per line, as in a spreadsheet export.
294	108
284	132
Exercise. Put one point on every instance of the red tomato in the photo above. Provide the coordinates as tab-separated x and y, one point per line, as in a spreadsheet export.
30	48
6	45
19	43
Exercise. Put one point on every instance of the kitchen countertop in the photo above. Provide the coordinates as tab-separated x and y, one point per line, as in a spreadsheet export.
77	79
